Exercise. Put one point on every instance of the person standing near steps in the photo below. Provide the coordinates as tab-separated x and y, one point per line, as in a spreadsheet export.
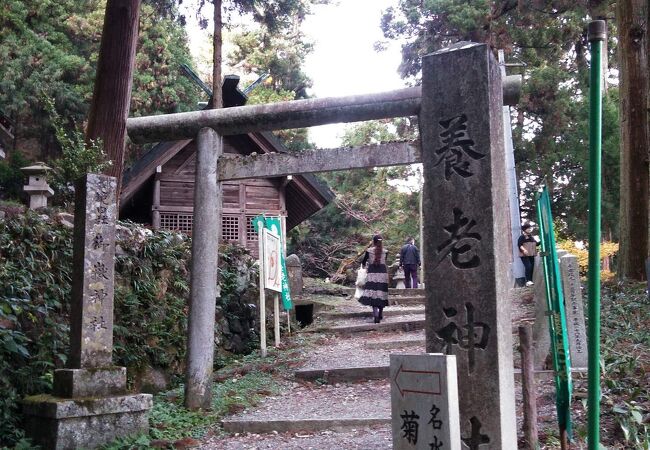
375	291
527	251
409	259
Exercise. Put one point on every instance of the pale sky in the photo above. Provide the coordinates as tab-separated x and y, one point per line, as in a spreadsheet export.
344	61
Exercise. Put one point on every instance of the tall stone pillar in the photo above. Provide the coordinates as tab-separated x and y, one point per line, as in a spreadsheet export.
467	237
90	406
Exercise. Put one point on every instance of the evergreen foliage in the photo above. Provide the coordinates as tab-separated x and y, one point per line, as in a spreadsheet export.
78	157
551	127
46	46
281	56
11	177
50	47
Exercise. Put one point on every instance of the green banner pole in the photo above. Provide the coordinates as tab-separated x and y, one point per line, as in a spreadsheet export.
597	34
556	319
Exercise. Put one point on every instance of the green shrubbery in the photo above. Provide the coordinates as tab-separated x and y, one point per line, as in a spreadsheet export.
151	291
35	278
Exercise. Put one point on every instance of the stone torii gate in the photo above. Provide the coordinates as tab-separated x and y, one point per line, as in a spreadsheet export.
465	214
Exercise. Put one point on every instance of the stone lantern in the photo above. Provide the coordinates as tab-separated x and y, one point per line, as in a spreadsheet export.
37	187
399	278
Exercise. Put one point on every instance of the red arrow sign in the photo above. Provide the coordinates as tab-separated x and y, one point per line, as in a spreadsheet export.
411	377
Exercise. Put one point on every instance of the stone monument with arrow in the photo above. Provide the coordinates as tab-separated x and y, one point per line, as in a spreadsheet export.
424	402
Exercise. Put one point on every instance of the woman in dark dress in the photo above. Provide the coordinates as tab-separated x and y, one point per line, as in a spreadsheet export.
375	291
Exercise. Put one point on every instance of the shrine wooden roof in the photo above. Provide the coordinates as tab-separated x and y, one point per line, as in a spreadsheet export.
305	194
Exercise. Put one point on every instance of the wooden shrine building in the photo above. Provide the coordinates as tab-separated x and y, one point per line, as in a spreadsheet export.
159	188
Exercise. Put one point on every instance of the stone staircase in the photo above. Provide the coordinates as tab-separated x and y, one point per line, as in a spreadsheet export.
344	384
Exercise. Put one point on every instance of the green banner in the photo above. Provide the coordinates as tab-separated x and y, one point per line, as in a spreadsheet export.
556	318
273	224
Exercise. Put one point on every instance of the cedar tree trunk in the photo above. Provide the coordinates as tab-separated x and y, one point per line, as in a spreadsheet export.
632	35
112	95
217	44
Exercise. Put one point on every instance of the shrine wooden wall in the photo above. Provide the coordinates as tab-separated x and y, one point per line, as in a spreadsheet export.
242	200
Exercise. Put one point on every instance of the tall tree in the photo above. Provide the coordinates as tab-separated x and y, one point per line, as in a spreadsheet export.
114	80
550	129
217	45
281	56
648	109
274	16
633	35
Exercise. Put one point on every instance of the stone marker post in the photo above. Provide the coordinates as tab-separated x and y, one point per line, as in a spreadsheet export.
90	406
574	313
574	309
424	402
541	334
467	238
91	328
294	269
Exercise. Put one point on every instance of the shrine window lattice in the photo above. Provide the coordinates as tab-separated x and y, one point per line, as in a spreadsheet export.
251	234
176	222
230	228
229	225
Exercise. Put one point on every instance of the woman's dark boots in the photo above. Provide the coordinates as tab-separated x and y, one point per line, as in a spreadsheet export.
376	313
381	313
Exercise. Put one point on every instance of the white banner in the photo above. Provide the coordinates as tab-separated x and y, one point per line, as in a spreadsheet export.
272	263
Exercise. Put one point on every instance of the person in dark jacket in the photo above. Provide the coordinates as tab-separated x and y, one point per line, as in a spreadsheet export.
375	291
409	259
527	245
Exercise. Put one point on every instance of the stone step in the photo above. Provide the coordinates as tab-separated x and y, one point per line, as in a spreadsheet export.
393	292
406	292
335	375
365	312
415	322
354	374
300	425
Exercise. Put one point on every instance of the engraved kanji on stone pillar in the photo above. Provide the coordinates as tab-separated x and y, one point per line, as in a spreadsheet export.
91	327
467	237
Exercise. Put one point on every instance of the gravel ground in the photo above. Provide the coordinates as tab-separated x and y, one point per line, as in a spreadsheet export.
314	401
370	438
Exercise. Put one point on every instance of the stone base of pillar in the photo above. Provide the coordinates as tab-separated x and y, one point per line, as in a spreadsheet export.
60	423
78	383
89	408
